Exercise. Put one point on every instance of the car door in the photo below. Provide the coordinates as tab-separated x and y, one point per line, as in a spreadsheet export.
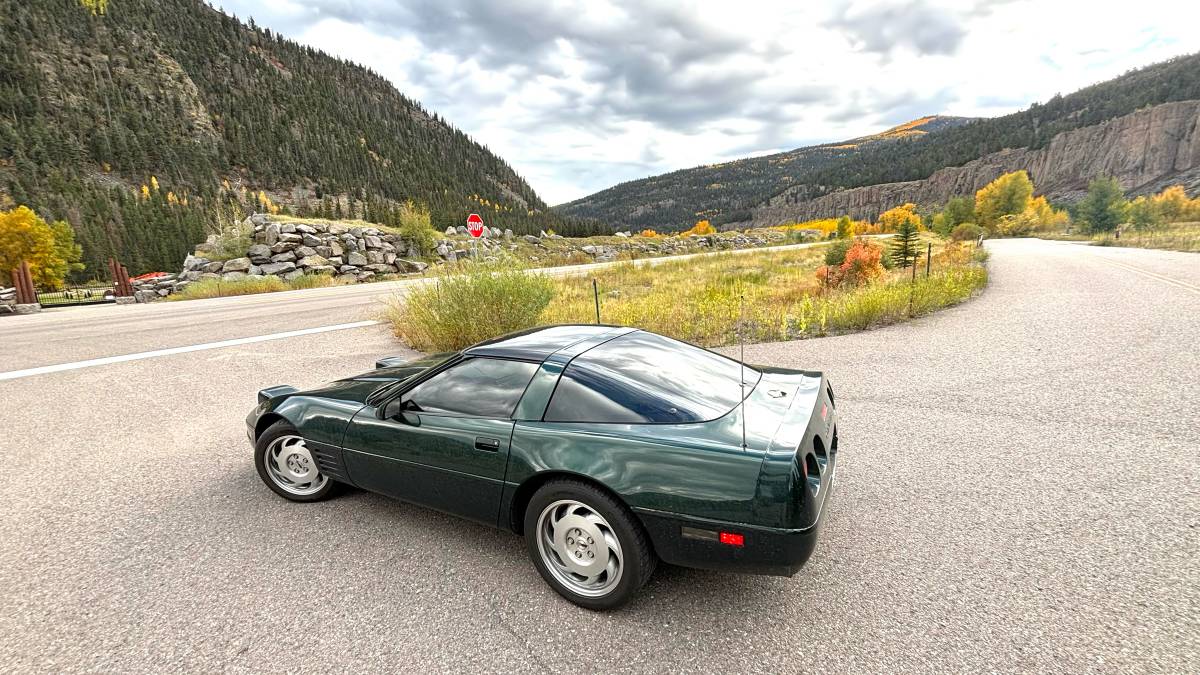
445	442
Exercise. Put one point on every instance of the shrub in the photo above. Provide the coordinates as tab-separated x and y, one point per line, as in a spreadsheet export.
836	253
459	310
966	232
414	226
649	233
861	264
700	228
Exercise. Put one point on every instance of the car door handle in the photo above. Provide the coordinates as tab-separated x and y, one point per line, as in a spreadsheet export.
489	444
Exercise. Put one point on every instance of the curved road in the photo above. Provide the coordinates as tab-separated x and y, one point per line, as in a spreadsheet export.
1019	489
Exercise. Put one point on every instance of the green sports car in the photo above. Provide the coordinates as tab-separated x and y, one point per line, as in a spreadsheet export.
607	448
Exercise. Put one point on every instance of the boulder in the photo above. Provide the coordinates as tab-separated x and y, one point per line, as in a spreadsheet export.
312	261
462	229
285	256
335	247
508	234
373	241
311	240
389	258
233	276
324	251
348	269
254	271
375	257
382	269
278	268
356	258
356	232
365	276
193	263
293	238
532	239
271	234
322	269
336	260
305	228
294	274
208	275
411	266
286	228
259	253
305	251
450	231
236	265
282	246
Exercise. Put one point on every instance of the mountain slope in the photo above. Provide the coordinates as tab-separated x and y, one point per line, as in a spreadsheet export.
1146	151
681	197
725	192
94	105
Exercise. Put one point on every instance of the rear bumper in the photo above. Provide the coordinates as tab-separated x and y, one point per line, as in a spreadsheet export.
765	550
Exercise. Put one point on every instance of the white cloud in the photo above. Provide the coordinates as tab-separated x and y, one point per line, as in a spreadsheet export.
579	95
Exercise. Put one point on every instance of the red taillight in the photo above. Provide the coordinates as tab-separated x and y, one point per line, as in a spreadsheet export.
733	539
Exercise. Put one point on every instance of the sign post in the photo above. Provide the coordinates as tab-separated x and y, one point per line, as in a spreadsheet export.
475	227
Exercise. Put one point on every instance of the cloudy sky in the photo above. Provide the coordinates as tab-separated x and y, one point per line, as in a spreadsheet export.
582	94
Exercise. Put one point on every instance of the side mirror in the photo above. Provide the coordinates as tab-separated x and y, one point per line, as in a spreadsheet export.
401	411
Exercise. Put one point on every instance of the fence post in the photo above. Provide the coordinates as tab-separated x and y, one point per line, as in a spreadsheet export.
928	257
596	294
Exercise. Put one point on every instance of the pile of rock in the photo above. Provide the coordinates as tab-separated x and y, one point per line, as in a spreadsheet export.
290	250
8	300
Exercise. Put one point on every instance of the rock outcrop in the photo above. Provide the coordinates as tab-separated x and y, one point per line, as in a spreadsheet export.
1146	151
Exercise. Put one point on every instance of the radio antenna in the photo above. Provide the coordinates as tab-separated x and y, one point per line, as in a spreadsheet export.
742	361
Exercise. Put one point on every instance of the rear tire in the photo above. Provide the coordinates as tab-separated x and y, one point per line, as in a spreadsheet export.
587	545
285	464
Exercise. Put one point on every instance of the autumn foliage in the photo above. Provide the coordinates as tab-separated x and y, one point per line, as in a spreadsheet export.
862	265
700	228
49	248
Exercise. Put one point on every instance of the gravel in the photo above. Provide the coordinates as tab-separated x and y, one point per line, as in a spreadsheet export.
1018	490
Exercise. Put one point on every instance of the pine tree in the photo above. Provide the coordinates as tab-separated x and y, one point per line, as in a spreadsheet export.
906	244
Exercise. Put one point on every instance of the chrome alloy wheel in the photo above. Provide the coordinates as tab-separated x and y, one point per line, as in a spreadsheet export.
579	548
292	468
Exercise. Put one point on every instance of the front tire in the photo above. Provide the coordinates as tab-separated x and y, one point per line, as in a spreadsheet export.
587	545
285	464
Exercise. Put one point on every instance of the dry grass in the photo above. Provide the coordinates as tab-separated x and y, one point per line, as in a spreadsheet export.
217	288
1174	237
698	300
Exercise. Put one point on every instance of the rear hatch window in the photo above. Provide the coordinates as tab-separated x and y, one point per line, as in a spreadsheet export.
643	378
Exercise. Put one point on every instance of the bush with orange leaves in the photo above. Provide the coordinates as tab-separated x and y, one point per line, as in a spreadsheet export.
702	227
649	233
863	264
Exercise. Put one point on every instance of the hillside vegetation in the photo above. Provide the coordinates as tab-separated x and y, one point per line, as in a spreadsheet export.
146	124
725	192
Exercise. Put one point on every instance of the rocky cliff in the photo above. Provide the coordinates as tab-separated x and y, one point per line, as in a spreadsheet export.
1146	151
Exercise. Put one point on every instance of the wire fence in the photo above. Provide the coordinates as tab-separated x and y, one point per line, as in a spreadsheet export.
75	295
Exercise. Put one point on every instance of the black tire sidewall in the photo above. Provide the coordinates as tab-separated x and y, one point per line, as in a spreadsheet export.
264	441
624	524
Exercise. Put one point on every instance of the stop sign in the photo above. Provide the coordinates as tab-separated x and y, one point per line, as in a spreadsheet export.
475	225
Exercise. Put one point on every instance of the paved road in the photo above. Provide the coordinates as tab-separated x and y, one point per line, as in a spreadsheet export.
1018	490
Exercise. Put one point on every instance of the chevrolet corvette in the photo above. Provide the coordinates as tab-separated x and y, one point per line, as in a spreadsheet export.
608	449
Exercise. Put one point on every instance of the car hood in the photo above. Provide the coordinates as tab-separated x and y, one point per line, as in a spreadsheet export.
359	387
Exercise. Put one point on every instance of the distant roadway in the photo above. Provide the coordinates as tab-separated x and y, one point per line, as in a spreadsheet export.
1019	490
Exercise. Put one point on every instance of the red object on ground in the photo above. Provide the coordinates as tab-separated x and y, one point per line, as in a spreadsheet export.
148	275
475	225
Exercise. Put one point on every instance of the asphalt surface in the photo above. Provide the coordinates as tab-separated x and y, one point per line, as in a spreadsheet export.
1018	491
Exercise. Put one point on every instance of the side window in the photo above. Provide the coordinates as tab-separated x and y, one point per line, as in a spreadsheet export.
477	387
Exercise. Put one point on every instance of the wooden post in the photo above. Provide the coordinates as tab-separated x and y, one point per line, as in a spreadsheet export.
596	293
28	292
928	257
